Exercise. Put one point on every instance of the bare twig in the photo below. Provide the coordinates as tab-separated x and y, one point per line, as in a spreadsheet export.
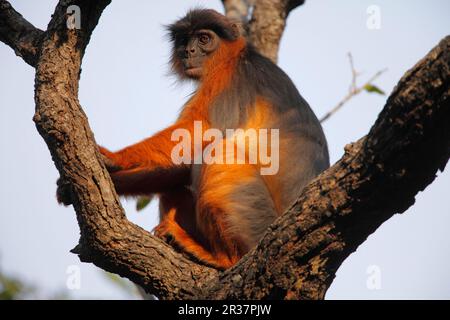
353	90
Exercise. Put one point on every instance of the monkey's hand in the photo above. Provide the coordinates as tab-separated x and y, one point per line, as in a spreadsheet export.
162	231
63	192
108	160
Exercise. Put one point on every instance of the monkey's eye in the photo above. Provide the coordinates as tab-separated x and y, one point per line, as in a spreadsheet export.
204	39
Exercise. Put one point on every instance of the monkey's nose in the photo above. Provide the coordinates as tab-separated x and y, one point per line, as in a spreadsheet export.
190	51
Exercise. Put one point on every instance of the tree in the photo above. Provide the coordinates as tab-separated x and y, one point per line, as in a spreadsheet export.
378	176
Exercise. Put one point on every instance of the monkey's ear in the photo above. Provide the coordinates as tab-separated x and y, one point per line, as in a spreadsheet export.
238	29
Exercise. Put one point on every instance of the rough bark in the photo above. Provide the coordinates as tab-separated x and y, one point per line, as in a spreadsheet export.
267	23
237	10
19	34
297	258
107	239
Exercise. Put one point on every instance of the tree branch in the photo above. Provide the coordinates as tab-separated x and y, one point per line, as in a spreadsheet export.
267	24
19	34
107	239
237	10
297	258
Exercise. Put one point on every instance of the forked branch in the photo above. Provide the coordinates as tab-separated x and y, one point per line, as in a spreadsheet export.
298	257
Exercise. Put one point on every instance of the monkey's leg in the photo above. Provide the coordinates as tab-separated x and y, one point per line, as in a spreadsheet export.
178	226
234	208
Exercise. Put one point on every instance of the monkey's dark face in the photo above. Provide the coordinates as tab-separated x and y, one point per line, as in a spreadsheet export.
195	51
196	37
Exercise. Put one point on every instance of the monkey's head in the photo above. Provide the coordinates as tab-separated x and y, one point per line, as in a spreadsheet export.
196	38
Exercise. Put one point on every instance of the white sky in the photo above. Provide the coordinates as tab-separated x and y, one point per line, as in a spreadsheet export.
127	95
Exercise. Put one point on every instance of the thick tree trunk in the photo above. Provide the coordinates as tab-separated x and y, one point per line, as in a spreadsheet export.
267	22
298	257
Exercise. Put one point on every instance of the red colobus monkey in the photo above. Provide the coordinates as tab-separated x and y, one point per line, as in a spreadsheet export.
217	212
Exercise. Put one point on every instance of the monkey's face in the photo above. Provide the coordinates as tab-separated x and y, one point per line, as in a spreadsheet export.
197	39
196	50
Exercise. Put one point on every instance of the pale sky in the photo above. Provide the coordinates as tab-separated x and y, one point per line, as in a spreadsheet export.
127	95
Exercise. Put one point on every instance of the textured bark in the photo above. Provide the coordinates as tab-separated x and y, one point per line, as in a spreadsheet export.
267	25
19	34
237	10
267	22
108	239
298	257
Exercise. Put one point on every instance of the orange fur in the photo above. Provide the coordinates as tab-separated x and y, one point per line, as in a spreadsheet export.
139	162
169	227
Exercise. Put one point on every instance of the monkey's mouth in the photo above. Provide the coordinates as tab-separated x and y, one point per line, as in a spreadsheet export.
193	72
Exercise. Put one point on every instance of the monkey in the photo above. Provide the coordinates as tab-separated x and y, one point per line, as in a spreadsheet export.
217	212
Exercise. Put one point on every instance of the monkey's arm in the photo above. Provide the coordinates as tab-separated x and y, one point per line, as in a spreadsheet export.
153	152
143	181
147	167
140	169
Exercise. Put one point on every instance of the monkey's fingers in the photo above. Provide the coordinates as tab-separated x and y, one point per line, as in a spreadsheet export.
161	231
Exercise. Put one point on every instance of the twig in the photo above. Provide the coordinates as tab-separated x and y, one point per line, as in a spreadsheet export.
354	89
